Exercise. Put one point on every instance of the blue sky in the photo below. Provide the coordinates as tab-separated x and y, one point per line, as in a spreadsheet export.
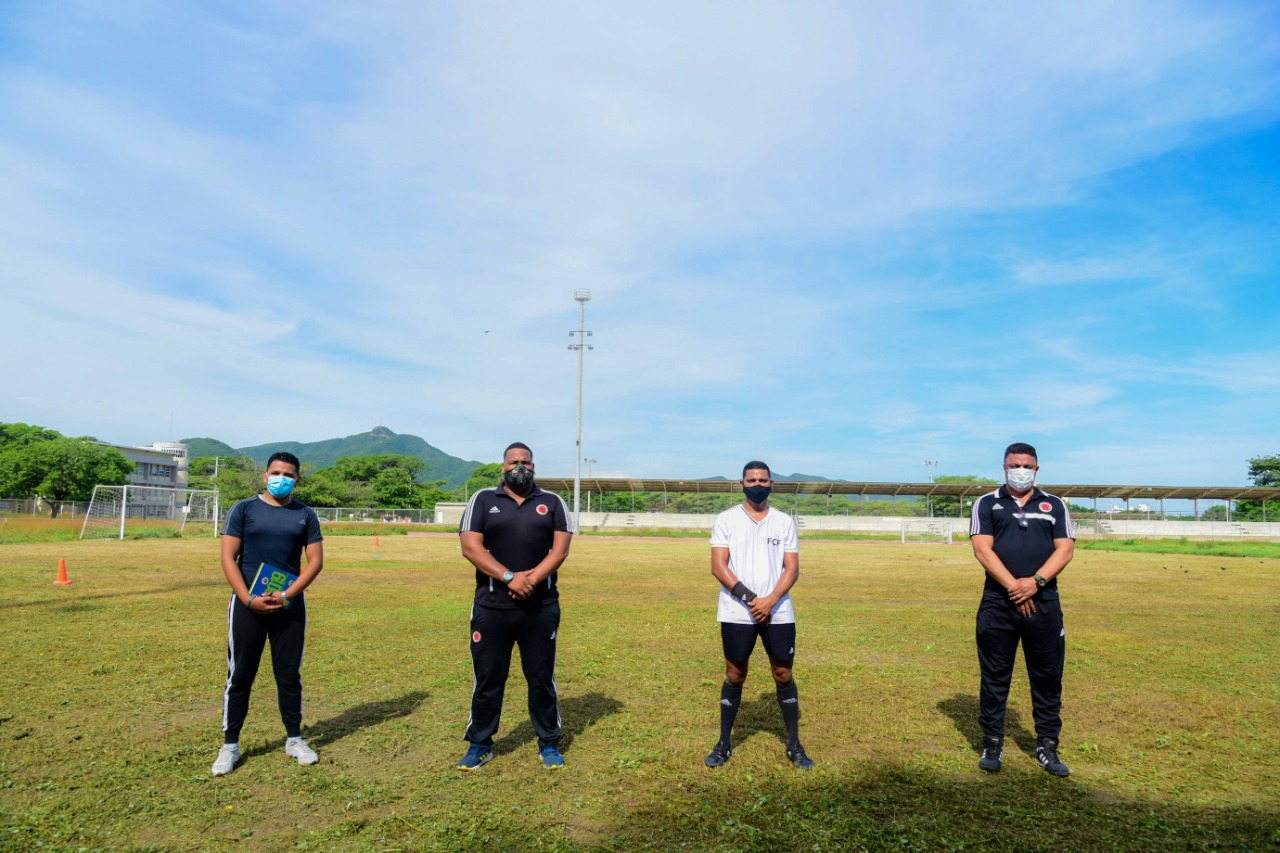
842	237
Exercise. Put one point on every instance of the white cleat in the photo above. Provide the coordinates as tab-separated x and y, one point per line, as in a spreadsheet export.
297	747
228	759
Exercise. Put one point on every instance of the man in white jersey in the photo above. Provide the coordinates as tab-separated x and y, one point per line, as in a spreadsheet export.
755	555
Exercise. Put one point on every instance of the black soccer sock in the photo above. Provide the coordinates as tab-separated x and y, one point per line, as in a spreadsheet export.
789	702
730	699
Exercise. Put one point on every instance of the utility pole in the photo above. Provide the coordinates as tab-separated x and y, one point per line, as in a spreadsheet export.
582	297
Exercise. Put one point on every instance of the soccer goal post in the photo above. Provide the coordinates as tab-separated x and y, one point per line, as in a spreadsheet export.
118	511
926	531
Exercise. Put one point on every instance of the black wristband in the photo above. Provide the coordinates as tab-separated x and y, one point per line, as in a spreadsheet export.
743	594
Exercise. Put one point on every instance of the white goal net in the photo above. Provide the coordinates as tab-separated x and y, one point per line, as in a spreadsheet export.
119	511
926	531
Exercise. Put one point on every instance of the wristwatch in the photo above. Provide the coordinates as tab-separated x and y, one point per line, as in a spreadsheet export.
284	597
1041	583
508	576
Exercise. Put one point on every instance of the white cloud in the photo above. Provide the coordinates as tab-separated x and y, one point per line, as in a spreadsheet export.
363	192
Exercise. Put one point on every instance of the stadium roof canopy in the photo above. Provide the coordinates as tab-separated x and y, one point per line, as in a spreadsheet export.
845	487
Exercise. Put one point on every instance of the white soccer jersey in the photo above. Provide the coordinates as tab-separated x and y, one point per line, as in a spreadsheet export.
755	557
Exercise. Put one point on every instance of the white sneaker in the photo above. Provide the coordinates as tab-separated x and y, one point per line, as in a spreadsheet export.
297	747
228	758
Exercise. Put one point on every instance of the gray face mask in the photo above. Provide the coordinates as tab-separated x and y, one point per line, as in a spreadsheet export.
1020	479
518	477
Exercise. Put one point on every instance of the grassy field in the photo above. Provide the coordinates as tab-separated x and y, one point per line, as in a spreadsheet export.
110	702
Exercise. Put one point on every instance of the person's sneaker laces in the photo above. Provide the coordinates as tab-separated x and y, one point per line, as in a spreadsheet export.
799	759
719	755
477	756
551	758
992	753
228	758
1047	756
296	747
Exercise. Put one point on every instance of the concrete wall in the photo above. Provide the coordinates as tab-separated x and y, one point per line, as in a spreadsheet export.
1085	526
959	527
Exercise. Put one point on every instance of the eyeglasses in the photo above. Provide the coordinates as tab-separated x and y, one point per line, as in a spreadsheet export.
1021	515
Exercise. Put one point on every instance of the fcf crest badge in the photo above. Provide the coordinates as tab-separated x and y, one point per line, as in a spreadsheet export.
542	509
1045	506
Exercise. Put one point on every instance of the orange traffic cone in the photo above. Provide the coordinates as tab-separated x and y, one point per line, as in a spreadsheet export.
375	541
62	580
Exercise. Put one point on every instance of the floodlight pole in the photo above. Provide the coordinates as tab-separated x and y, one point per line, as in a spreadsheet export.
582	297
931	464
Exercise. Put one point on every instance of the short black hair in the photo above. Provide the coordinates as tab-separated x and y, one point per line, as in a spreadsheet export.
286	456
515	445
755	465
1020	448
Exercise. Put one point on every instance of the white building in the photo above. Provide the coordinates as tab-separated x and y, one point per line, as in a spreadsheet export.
163	464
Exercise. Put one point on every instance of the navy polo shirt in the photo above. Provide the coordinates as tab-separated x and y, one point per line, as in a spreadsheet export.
1022	549
519	536
275	535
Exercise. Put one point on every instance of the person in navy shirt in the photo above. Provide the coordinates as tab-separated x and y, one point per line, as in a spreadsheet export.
276	529
1023	537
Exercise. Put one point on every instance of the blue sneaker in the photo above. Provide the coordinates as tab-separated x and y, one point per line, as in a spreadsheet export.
477	756
551	758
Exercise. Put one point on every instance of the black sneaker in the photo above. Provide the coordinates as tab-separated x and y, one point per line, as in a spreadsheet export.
719	755
992	753
1047	756
799	759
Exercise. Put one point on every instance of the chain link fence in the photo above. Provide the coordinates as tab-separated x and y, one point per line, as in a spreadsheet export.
37	508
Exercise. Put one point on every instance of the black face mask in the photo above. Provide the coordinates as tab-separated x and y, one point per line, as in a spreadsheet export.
518	477
756	494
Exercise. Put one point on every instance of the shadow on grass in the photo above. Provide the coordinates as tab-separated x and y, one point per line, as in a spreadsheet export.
350	721
882	808
71	599
963	711
762	714
577	714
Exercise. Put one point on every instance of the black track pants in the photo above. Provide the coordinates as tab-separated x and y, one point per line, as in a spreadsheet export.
247	635
1044	646
493	634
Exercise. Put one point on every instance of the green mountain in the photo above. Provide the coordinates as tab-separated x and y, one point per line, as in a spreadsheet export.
209	447
322	454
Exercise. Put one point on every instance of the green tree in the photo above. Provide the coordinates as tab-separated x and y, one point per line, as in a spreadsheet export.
394	487
484	477
20	435
20	470
1263	471
387	480
238	477
67	469
946	506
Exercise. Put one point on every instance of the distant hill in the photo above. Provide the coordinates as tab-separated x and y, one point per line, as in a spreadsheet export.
322	454
209	447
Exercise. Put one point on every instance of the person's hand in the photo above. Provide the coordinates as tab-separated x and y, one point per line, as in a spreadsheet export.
1023	589
1026	608
264	604
760	607
521	587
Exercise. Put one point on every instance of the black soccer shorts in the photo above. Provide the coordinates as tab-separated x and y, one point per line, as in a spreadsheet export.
740	640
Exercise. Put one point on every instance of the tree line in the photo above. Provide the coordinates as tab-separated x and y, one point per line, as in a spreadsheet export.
36	462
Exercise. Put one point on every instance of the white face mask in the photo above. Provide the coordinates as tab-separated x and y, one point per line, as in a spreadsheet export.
1020	479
